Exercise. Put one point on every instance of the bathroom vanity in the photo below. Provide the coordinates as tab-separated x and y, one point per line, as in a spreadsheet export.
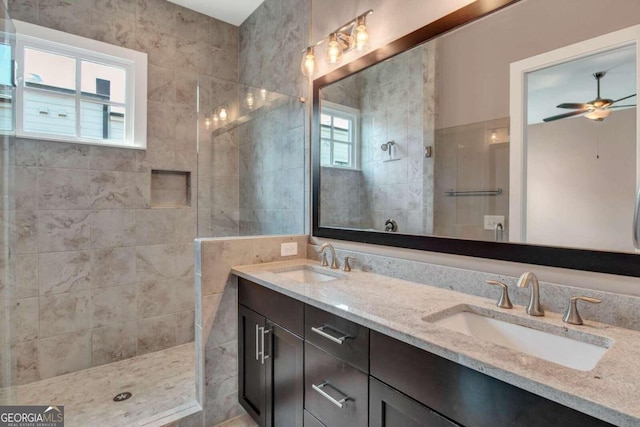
320	347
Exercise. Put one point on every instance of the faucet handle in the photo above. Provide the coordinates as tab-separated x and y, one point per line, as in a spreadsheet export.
504	301
324	262
347	266
572	316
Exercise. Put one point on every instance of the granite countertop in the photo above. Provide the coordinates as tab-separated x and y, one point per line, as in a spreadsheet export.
611	391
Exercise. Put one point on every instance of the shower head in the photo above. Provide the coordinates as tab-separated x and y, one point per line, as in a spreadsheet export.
386	145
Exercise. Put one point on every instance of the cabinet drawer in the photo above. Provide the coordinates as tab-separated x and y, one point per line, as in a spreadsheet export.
463	394
335	393
340	337
390	408
311	421
283	310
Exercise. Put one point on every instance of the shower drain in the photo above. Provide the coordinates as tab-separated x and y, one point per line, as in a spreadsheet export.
120	397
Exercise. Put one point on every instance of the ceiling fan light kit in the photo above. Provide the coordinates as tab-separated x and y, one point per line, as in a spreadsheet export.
598	109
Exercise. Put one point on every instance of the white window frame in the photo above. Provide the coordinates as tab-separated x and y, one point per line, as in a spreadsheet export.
349	113
133	62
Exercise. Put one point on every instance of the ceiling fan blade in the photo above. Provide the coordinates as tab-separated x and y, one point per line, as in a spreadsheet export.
622	106
622	99
573	106
565	115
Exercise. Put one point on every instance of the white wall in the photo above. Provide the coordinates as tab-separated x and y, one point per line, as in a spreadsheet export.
581	182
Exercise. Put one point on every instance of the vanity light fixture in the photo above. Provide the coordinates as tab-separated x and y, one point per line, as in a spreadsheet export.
352	35
250	99
207	122
223	114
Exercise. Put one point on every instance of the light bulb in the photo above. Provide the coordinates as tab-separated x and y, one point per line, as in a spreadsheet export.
263	94
308	64
362	34
250	100
207	122
216	119
599	114
494	136
333	54
223	114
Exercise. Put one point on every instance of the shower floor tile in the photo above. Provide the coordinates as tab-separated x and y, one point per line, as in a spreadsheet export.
160	383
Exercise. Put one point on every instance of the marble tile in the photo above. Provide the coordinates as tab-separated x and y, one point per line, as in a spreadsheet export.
221	408
22	230
114	190
184	261
23	319
156	16
221	366
159	46
62	354
155	226
64	313
113	228
19	279
63	230
112	159
24	10
221	317
186	89
113	267
26	152
192	25
185	327
161	120
161	84
224	255
63	155
64	272
23	194
155	263
25	362
186	226
241	421
115	304
113	343
156	298
160	154
268	249
184	294
194	57
156	333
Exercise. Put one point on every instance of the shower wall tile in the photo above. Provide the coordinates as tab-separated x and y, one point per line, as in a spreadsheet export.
113	228
61	272
113	267
63	354
116	304
75	201
156	333
64	313
156	298
63	230
25	362
19	278
113	343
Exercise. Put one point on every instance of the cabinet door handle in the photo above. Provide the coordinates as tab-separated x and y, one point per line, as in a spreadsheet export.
257	342
338	403
263	332
338	340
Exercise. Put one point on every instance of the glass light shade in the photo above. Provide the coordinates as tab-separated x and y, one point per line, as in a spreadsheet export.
250	99
308	65
333	54
598	114
207	122
361	34
224	115
216	119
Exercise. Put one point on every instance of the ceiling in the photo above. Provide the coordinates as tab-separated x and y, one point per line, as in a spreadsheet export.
231	11
573	82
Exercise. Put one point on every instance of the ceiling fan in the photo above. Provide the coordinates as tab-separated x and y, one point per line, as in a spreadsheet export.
598	109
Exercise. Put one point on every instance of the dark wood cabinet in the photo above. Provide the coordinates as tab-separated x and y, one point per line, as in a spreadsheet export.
270	358
251	369
390	408
285	373
311	421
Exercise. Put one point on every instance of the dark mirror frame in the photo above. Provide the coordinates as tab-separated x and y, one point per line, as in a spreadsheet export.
625	264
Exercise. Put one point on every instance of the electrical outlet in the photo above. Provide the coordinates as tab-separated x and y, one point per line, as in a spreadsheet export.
490	221
288	249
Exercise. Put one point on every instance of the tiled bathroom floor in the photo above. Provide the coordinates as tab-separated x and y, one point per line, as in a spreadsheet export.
161	383
241	421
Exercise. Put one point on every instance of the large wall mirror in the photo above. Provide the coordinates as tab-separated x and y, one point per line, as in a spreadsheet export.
512	136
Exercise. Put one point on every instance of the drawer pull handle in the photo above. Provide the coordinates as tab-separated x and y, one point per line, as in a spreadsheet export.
257	342
261	353
338	403
321	331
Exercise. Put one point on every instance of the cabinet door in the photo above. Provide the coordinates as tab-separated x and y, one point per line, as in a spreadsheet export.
251	367
390	408
285	377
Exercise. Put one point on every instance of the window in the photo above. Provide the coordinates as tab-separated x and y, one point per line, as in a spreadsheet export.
79	90
339	128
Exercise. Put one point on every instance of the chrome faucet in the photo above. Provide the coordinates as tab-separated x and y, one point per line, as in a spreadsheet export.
334	264
533	309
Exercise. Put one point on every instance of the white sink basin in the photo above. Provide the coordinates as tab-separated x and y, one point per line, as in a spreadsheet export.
564	351
308	274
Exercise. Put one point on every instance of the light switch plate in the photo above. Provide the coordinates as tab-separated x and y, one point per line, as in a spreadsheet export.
490	221
288	249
